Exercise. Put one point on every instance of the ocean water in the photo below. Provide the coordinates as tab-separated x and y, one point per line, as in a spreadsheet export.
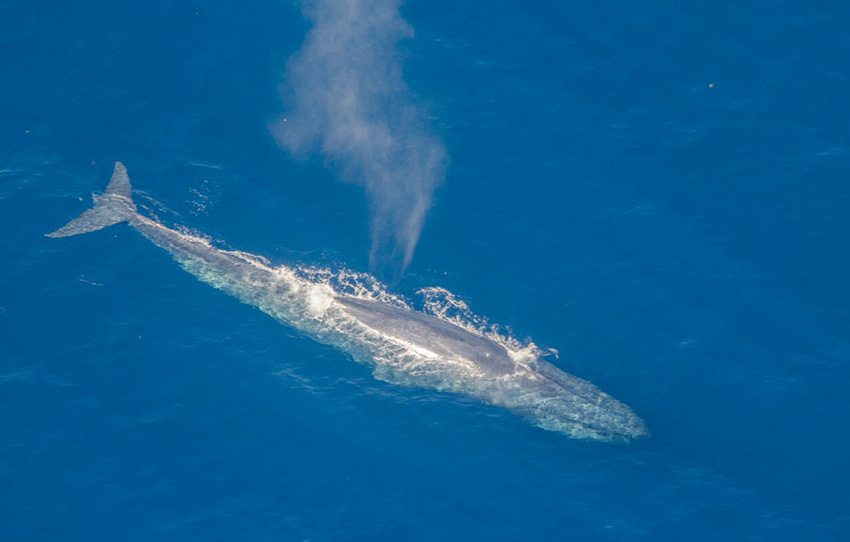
658	191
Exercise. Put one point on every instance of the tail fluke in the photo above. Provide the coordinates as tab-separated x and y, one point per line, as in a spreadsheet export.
113	206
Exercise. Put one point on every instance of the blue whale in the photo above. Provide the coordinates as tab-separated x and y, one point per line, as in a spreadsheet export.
402	346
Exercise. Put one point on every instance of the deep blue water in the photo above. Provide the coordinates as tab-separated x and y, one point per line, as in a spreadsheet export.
659	191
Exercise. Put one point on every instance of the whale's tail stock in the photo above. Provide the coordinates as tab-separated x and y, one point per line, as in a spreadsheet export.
113	206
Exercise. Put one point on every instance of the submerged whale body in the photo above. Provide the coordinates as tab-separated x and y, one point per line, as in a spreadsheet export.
401	345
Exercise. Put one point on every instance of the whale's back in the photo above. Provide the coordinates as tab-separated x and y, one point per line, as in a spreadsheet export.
430	334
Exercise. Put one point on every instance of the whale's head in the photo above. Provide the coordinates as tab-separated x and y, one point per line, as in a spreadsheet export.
611	422
559	402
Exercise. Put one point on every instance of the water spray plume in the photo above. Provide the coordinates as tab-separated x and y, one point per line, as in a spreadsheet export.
347	99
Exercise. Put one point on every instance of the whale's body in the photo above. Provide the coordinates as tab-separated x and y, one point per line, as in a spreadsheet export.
402	346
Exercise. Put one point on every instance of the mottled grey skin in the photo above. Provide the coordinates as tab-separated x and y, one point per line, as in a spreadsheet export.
401	345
